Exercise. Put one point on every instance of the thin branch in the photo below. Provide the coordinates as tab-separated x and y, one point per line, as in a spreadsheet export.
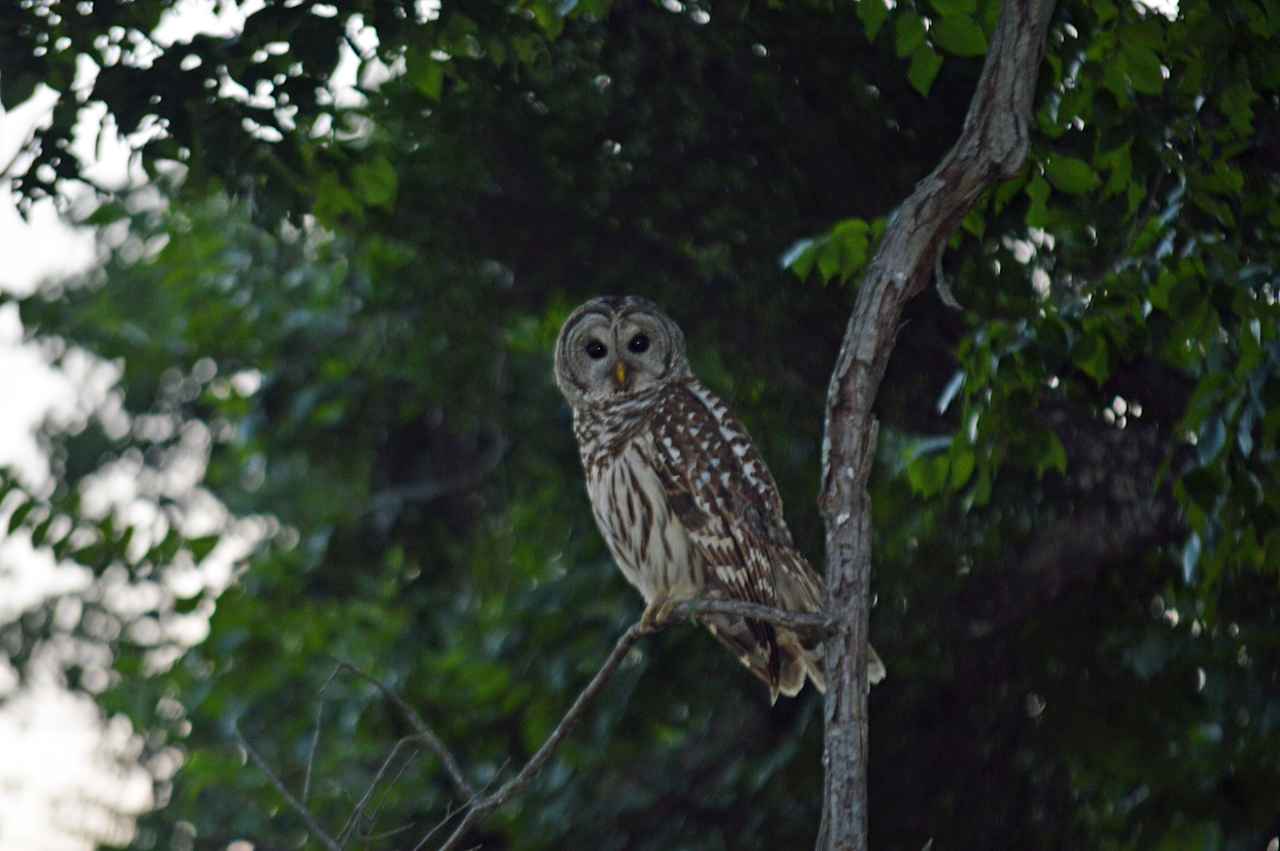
298	807
358	811
805	624
944	286
538	761
315	735
450	812
423	730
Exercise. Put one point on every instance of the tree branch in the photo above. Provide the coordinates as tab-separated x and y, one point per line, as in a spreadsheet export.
478	804
312	825
538	761
992	146
805	624
423	732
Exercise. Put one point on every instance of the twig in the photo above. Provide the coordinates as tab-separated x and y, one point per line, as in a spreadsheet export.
539	760
360	806
424	732
298	807
478	804
450	813
315	735
806	624
944	286
373	813
387	834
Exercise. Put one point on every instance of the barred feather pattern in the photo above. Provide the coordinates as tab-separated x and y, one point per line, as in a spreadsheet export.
689	509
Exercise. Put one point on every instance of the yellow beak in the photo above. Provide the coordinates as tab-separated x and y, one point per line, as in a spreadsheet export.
620	373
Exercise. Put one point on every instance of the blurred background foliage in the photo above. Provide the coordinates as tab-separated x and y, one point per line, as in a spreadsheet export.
341	311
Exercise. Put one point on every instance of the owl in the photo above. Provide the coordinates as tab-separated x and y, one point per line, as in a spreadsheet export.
683	499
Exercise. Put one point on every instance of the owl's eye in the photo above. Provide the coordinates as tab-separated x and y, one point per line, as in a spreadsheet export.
639	344
596	350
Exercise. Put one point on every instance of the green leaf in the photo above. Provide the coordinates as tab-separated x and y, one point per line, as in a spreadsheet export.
1092	357
1071	175
799	258
925	64
873	14
39	533
909	34
547	18
376	181
959	35
17	90
1143	66
1005	191
19	514
1236	102
427	76
1119	163
829	259
187	605
202	546
962	464
852	237
1215	207
106	213
1053	456
928	474
1038	191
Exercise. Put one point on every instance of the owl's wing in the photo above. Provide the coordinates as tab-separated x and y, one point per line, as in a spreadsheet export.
723	494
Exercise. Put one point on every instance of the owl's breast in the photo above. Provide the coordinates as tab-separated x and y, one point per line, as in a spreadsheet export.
632	509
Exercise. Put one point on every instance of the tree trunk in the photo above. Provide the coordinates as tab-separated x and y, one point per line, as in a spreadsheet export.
992	146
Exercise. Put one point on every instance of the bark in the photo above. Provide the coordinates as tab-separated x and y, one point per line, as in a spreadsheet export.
992	146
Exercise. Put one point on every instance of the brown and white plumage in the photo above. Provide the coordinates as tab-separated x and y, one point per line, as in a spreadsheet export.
685	503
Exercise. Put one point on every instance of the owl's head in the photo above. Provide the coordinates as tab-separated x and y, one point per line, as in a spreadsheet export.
614	347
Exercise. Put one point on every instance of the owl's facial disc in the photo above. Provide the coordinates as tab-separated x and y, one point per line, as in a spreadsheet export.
612	348
641	352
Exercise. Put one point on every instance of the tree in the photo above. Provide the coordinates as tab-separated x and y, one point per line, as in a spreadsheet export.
1074	491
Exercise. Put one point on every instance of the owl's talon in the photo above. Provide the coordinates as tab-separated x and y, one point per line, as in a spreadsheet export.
657	613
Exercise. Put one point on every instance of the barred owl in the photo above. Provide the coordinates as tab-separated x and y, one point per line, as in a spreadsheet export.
681	496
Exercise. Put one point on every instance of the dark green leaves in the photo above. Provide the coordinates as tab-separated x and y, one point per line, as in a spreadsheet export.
1071	175
376	182
838	255
959	35
925	64
1092	355
20	513
873	14
909	35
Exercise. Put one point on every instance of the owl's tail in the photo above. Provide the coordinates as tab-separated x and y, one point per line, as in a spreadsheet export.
777	657
802	660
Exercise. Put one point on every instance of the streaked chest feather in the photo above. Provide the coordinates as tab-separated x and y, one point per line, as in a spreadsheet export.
630	505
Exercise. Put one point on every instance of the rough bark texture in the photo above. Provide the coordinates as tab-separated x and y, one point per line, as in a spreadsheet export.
992	146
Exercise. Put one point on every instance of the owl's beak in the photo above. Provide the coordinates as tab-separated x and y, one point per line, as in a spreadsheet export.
620	374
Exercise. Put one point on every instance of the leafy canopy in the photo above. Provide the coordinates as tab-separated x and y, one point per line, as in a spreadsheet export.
344	307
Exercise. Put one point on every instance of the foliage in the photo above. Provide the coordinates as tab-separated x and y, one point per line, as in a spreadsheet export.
347	317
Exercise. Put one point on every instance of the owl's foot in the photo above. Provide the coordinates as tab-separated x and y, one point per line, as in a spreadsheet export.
657	613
